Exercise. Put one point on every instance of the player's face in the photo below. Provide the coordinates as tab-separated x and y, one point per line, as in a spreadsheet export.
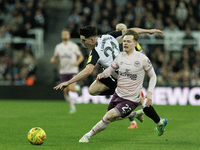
65	35
129	43
87	42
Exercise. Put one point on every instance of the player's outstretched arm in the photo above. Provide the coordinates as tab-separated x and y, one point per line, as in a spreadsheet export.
152	31
106	73
81	75
140	30
61	86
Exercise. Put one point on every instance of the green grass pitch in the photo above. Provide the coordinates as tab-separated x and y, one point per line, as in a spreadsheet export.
64	130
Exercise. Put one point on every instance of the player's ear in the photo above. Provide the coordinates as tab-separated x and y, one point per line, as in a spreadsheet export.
92	39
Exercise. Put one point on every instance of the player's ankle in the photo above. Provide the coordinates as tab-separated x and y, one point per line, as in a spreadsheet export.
160	123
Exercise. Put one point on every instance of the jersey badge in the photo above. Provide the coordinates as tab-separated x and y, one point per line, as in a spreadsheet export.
137	64
89	59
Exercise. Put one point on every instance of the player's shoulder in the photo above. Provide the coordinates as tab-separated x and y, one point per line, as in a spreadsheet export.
73	45
115	34
104	39
104	36
94	51
59	45
72	42
123	54
97	51
107	36
140	55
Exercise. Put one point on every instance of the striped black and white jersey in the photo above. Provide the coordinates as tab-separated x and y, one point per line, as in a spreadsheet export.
106	50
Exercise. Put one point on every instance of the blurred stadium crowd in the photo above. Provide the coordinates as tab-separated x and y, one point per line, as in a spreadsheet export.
180	68
173	69
17	17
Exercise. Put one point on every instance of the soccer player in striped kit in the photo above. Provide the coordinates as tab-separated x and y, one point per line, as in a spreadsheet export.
104	49
132	66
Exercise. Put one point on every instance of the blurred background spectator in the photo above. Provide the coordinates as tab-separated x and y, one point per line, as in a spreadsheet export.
17	17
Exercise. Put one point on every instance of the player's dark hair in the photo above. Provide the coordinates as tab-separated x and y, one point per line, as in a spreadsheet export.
88	31
136	36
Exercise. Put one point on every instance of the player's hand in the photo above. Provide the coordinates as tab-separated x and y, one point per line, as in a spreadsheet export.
148	96
99	76
61	86
152	31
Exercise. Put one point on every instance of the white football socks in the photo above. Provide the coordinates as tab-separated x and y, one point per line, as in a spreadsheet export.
160	122
77	87
134	122
70	101
101	125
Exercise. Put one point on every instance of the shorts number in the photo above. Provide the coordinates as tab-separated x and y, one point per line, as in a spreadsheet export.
126	108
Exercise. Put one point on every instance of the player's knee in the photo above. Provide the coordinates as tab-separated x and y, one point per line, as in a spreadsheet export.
107	119
91	91
110	116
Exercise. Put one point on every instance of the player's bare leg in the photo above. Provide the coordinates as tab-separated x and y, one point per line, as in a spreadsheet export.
133	124
75	88
110	116
97	87
69	100
72	87
137	114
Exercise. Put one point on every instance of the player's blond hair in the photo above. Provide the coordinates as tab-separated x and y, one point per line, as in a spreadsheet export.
121	24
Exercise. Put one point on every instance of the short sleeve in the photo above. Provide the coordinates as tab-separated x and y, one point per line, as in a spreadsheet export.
56	51
93	58
115	63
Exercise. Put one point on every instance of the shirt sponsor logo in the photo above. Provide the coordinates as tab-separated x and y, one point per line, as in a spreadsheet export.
65	56
128	74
